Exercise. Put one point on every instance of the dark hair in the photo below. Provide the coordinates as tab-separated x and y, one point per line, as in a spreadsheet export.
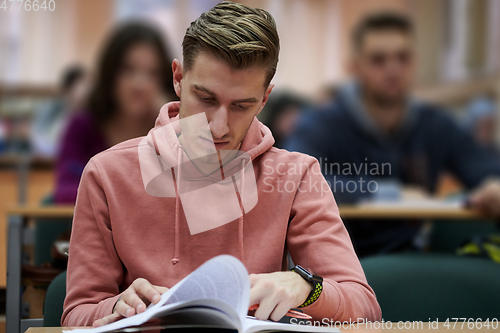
102	102
383	21
70	76
242	36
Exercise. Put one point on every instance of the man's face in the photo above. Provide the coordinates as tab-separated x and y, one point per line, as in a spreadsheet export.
384	64
230	99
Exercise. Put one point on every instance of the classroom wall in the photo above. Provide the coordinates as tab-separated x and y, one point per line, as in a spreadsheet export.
322	28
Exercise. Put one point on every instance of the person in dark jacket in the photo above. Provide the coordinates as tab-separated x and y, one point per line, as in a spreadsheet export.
374	138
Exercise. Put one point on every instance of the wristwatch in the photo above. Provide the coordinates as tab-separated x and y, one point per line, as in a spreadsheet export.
315	280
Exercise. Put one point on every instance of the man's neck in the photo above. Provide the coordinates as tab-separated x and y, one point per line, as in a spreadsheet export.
388	117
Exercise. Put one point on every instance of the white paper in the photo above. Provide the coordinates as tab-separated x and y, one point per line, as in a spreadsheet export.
223	279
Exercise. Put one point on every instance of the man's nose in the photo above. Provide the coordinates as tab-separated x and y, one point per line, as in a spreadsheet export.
218	123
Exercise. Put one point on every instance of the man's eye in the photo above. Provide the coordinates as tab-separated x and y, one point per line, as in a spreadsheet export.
241	107
207	99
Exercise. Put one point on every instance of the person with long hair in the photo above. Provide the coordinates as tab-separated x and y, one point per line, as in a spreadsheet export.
133	80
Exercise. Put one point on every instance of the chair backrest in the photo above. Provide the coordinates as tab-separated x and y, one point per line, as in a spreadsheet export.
447	236
46	232
434	286
54	300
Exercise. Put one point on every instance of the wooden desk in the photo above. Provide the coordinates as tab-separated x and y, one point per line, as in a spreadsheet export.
361	328
346	212
402	212
36	211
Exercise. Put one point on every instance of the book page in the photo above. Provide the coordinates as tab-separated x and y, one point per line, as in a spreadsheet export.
137	319
223	278
187	318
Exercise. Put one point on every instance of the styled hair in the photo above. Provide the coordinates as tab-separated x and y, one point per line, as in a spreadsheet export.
239	35
383	21
102	103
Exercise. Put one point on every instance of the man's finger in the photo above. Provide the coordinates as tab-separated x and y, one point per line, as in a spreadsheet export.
265	308
135	301
124	309
160	289
257	294
253	279
146	289
107	320
279	311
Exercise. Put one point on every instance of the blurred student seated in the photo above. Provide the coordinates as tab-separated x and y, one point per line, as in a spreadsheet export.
281	113
374	138
133	80
50	117
480	120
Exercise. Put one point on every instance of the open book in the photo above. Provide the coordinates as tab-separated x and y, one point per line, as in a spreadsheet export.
215	295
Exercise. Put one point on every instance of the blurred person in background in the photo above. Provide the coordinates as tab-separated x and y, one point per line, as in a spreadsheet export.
3	136
326	94
50	118
481	121
384	139
133	80
281	113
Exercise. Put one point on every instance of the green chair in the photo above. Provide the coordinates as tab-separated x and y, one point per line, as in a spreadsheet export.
46	232
415	286
447	236
54	300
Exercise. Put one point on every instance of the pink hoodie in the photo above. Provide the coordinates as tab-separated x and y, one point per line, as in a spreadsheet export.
121	232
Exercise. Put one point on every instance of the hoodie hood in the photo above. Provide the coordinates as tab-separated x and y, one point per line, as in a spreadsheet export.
350	94
167	171
257	140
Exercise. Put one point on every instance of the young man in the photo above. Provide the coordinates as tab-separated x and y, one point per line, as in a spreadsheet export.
137	229
374	138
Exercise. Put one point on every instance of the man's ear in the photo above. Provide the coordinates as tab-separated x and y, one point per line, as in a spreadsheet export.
266	97
177	73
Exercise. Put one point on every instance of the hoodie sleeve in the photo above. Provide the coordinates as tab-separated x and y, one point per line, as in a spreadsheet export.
318	241
94	268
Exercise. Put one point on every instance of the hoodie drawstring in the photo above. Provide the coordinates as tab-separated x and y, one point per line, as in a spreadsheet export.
176	258
240	199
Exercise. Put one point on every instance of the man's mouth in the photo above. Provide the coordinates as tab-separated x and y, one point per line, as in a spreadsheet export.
218	144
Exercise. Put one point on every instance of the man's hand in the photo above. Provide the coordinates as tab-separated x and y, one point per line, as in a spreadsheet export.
133	300
276	293
486	198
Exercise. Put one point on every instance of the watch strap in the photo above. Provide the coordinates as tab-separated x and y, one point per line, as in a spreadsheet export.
313	295
317	284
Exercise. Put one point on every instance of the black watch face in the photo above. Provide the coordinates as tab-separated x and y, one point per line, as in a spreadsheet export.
303	272
317	279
